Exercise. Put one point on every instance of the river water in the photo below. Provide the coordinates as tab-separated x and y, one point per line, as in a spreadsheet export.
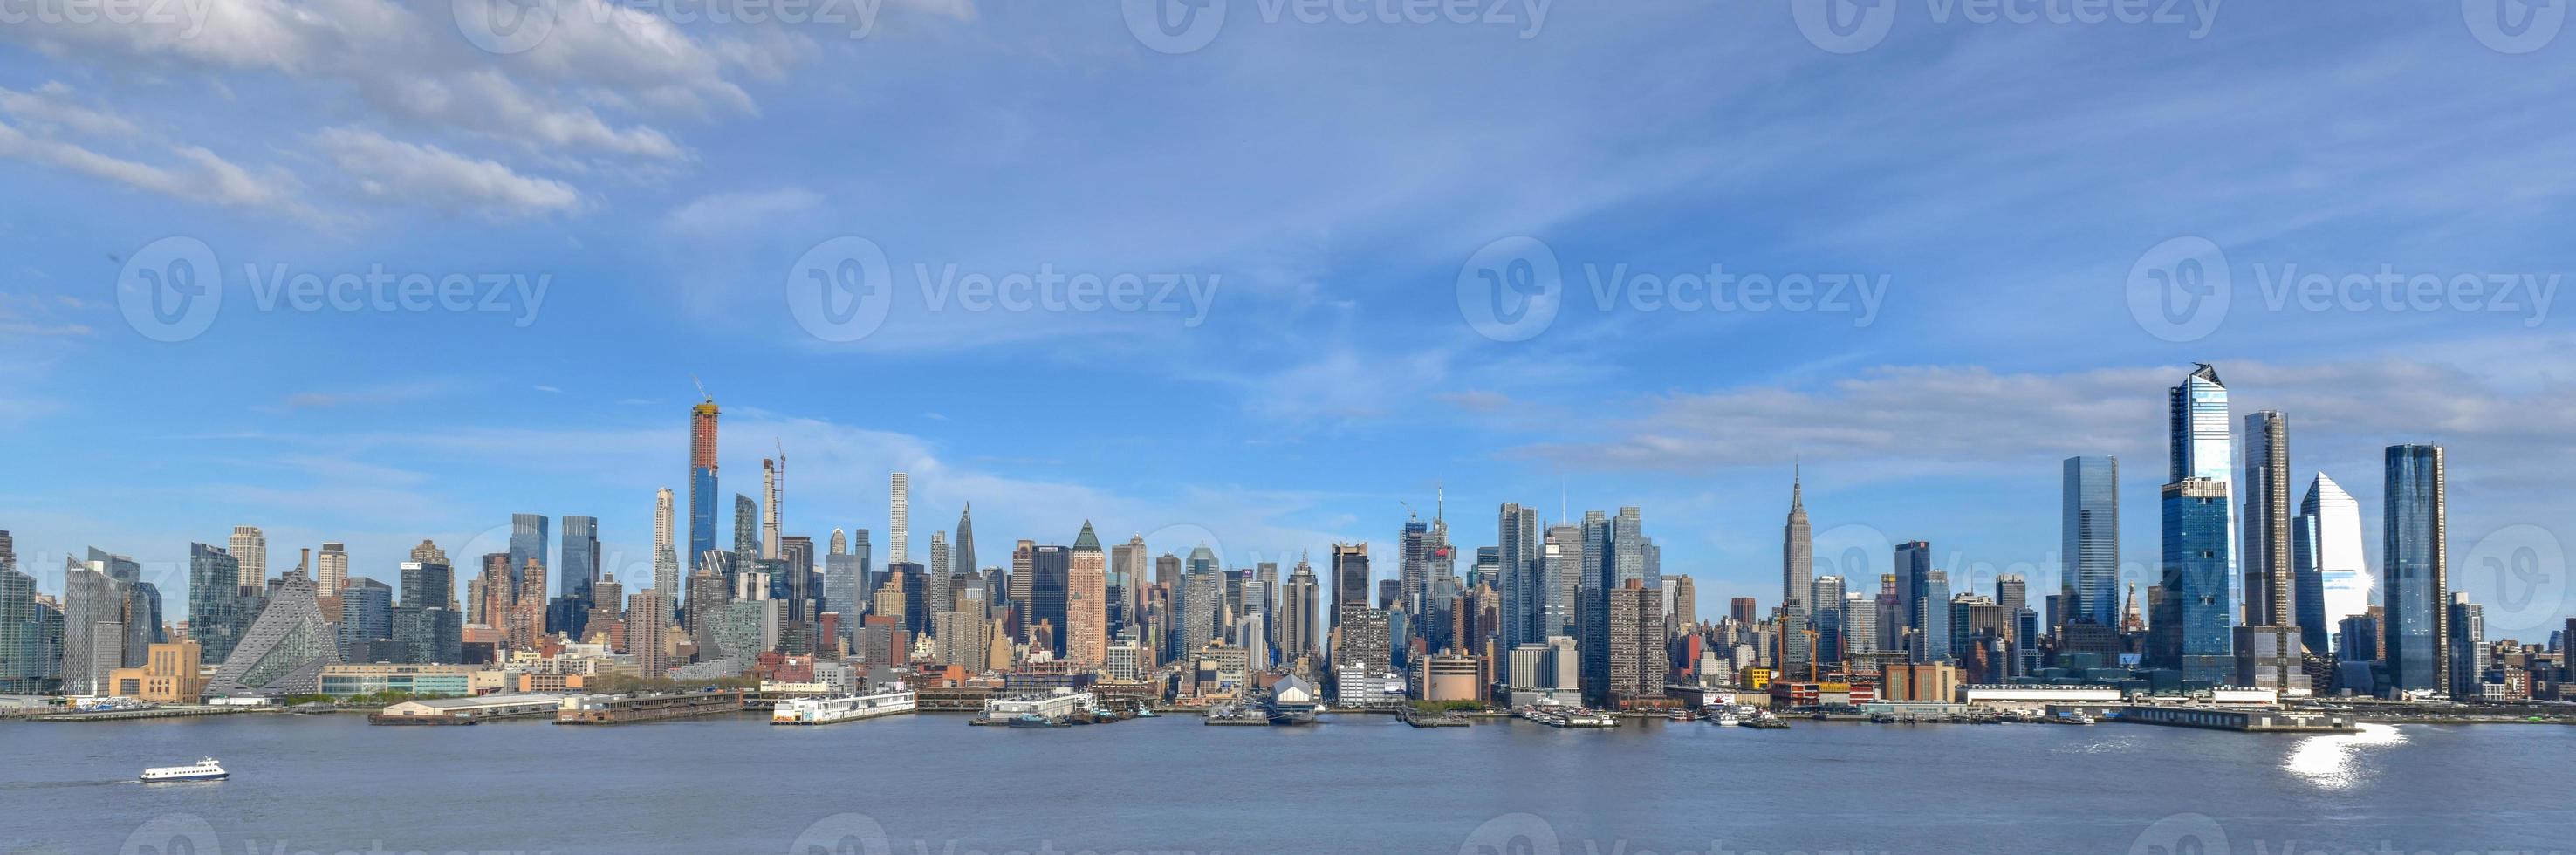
1355	784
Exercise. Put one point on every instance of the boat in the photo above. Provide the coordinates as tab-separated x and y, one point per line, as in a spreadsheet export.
203	770
1679	715
1142	712
1052	707
1032	720
1287	715
844	708
1725	718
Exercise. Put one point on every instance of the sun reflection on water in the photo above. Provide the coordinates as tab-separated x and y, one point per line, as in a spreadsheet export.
2333	762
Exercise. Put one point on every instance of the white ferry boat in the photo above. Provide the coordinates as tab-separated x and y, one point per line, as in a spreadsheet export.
844	708
202	770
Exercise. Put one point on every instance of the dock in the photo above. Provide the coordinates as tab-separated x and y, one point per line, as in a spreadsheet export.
1418	719
2240	720
172	711
632	710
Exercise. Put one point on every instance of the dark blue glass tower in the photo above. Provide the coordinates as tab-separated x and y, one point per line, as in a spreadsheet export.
2196	578
2415	590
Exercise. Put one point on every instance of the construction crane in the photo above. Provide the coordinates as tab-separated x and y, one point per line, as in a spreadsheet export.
702	389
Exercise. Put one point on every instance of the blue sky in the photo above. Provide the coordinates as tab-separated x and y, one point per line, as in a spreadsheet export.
2008	184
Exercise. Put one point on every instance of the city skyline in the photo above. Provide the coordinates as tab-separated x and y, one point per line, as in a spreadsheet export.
2198	428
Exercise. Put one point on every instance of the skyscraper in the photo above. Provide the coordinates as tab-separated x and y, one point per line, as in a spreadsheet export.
2199	529
331	570
2089	541
215	609
961	552
1797	544
702	482
1086	622
1128	563
2196	578
2202	440
746	531
899	519
1519	562
27	660
1560	583
366	619
1636	641
773	482
1050	592
938	571
1628	551
249	547
1826	615
2198	435
528	539
2333	578
580	568
1350	579
1413	565
1932	619
94	606
2414	549
1913	566
1297	613
2467	626
2270	597
666	556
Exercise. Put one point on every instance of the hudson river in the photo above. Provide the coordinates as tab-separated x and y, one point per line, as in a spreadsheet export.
1351	785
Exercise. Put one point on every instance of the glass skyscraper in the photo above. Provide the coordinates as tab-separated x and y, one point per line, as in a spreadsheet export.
2416	589
2089	542
580	568
702	481
215	619
527	541
2332	579
2196	579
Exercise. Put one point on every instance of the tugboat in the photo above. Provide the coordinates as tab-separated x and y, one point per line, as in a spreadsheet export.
203	770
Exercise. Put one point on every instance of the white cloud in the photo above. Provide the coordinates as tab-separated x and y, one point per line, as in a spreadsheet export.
1913	420
727	213
194	173
428	175
51	105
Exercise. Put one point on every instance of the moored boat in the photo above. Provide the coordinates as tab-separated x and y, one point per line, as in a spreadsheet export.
808	711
